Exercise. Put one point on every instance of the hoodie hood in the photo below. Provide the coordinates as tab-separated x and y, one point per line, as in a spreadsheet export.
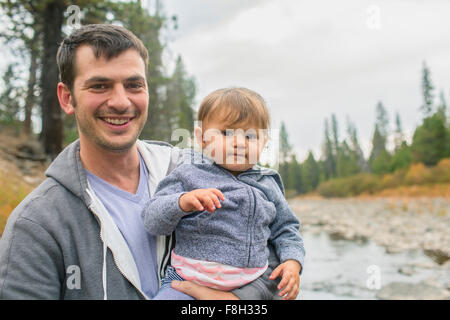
67	169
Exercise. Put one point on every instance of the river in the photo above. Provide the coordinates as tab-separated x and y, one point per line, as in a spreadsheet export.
355	269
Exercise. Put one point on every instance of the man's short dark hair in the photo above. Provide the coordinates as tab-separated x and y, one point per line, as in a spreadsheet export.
106	40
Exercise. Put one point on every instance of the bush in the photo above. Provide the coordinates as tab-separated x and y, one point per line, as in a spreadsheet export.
393	180
12	192
350	186
441	173
418	173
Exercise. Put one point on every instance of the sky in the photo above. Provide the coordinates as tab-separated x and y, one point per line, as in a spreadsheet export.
310	59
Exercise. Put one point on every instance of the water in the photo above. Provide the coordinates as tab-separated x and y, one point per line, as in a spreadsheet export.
338	269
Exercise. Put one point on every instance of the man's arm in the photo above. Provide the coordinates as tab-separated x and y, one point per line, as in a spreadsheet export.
29	263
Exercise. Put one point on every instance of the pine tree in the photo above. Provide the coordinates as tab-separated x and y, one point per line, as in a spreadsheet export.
430	140
329	160
379	140
285	146
347	161
310	173
179	100
335	135
285	152
12	97
294	179
355	147
427	91
402	157
398	135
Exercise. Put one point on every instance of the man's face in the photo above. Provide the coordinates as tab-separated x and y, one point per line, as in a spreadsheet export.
110	99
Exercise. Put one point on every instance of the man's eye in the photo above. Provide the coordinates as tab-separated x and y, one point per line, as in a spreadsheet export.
99	86
136	85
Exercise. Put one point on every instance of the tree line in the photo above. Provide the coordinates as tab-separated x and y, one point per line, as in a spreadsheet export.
33	31
342	169
34	28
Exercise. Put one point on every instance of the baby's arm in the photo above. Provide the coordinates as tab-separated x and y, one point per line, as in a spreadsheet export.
162	212
290	281
171	202
288	244
199	199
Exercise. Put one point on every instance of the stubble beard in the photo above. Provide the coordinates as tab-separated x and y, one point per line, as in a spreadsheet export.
89	131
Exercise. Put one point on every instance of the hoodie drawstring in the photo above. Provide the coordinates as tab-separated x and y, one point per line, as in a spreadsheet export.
105	294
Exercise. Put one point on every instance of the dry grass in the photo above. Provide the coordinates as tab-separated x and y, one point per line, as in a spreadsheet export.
415	191
12	191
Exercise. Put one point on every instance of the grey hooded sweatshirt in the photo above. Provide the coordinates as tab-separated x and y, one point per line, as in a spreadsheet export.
61	243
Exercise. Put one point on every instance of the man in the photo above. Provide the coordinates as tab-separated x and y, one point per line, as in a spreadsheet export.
79	235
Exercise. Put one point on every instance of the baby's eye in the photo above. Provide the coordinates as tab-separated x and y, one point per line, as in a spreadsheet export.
251	136
228	133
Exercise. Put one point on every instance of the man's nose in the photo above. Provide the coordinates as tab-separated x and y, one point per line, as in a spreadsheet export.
119	99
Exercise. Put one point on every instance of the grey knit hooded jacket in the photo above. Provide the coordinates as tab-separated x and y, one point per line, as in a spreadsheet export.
253	213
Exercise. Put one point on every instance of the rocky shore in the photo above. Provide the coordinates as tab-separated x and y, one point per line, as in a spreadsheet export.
397	224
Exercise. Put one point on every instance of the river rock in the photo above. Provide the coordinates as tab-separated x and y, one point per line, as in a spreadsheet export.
406	270
411	291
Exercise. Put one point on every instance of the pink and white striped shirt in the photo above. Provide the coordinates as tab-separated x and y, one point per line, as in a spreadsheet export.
213	274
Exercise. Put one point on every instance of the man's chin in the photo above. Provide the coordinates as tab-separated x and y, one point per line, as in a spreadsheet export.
117	147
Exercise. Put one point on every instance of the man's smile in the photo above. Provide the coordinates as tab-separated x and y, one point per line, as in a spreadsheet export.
117	121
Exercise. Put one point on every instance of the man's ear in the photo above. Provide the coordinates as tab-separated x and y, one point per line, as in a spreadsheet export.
198	136
65	98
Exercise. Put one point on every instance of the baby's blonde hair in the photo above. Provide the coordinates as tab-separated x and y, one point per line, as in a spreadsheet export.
236	106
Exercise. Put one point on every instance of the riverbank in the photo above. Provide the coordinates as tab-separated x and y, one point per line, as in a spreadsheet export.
404	228
398	224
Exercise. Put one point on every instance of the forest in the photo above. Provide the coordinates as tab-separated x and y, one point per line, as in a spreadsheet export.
343	170
28	103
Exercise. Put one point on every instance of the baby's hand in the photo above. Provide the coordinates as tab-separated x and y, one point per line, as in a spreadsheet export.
199	199
290	281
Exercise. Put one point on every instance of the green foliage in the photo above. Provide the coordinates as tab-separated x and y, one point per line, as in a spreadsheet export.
380	164
329	162
379	140
349	186
310	173
294	181
402	158
430	140
347	163
12	97
427	91
285	146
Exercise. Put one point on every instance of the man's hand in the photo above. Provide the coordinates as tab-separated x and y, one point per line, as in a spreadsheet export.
202	293
290	279
199	199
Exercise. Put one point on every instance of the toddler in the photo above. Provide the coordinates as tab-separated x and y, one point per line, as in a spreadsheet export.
224	207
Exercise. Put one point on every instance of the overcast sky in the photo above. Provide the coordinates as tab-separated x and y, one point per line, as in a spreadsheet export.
310	59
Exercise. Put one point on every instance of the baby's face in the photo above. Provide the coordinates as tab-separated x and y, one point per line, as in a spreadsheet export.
235	149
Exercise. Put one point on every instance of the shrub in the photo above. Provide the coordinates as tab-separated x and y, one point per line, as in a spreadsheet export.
441	173
350	186
418	173
12	192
